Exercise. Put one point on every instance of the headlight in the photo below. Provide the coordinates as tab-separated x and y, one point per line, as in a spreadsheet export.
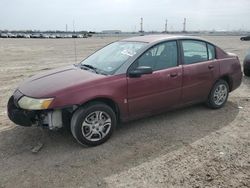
29	103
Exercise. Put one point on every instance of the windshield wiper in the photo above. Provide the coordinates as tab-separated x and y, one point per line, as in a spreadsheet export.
96	70
89	67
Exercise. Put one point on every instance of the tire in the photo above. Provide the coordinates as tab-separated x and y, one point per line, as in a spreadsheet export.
93	124
247	72
218	95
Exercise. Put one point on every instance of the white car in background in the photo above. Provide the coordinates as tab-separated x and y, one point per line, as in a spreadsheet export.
3	35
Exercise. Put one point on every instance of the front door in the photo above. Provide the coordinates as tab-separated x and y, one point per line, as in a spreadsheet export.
161	89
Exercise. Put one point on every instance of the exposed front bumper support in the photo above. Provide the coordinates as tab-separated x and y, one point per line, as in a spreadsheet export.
53	119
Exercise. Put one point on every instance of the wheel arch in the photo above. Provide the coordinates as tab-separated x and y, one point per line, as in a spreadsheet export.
111	103
229	81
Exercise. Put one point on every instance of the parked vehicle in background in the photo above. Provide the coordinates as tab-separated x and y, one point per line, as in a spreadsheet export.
3	35
245	38
52	36
20	35
68	36
10	35
35	36
26	36
44	36
126	80
58	36
246	64
77	36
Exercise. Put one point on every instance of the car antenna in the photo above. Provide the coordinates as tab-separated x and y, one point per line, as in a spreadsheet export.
74	41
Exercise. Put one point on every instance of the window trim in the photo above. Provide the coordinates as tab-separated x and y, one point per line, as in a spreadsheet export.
179	62
214	51
207	52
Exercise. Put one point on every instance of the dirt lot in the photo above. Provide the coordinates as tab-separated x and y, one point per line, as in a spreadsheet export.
190	147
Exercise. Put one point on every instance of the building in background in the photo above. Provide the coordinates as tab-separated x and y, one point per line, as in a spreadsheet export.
111	31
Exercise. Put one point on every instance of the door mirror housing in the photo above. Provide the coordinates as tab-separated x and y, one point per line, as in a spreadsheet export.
140	71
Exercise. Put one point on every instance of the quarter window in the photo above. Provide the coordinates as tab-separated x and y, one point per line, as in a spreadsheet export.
211	51
161	56
194	51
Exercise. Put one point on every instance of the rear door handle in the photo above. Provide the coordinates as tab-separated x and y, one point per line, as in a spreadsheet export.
210	66
173	74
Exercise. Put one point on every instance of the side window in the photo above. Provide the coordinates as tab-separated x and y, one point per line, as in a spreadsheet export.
194	51
160	57
211	51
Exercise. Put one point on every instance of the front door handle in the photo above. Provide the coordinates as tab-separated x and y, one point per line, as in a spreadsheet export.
210	66
173	74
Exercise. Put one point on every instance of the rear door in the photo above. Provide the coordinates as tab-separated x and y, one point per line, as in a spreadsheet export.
200	70
161	89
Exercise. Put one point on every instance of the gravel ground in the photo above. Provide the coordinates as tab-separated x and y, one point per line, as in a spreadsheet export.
189	147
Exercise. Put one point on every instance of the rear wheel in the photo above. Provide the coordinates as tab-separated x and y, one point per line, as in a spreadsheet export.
218	95
93	124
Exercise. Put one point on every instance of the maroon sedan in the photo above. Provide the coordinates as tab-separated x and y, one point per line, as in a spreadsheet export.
125	80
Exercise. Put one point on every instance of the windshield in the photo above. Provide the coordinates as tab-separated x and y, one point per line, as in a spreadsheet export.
108	59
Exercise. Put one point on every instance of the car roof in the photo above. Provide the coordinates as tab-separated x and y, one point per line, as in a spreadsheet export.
158	38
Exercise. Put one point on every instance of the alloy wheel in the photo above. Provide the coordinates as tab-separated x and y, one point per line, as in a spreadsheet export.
220	94
96	125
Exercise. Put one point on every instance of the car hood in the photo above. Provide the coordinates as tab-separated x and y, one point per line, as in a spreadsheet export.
49	83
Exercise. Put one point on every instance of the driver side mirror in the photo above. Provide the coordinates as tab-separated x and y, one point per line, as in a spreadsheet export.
140	71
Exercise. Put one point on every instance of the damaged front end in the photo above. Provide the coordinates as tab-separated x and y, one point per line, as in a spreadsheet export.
19	116
53	119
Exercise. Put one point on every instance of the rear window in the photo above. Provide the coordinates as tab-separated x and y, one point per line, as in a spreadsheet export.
194	51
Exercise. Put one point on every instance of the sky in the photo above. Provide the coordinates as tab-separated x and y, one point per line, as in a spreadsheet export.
98	15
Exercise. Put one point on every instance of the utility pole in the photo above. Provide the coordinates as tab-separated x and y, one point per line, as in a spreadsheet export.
184	26
166	26
74	26
141	31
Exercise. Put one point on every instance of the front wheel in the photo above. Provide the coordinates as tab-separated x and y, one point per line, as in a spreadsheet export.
218	95
93	124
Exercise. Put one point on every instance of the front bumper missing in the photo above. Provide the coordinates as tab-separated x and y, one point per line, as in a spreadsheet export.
50	118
